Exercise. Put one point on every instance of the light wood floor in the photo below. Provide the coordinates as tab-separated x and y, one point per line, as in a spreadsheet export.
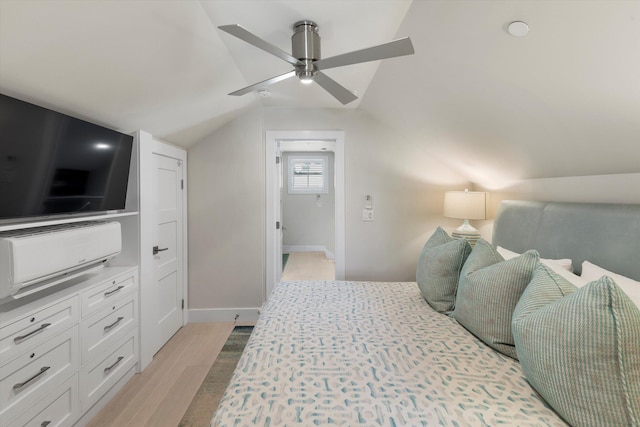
161	394
309	266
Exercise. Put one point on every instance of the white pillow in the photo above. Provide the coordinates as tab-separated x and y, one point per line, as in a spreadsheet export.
565	263
591	272
559	269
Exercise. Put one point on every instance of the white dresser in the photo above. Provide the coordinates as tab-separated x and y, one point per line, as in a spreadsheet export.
65	352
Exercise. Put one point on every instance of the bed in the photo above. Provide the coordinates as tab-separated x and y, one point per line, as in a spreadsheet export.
377	354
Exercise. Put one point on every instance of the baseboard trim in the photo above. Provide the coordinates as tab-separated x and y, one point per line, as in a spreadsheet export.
308	248
205	315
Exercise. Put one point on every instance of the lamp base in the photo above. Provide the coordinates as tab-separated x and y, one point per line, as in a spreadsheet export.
471	238
467	232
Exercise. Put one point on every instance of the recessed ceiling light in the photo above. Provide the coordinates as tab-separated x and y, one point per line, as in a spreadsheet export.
518	29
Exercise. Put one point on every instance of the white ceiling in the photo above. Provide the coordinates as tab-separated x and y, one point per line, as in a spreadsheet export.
164	67
564	100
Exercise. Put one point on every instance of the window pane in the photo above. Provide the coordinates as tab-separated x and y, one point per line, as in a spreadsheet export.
308	174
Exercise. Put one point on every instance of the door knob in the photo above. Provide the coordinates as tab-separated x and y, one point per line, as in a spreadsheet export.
156	250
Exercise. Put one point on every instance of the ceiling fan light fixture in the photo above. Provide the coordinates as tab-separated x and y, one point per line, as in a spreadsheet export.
306	76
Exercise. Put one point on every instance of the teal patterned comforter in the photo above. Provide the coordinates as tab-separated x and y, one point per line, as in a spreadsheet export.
371	354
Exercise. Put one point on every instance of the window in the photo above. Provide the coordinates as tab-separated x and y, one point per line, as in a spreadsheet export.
308	174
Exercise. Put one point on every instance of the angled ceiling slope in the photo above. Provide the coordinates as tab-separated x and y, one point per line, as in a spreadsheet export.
562	101
164	66
157	66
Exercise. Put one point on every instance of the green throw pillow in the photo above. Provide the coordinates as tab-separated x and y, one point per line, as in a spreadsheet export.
439	267
581	352
488	292
545	286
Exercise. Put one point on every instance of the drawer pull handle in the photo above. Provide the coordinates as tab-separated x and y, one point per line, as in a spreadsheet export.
108	294
17	340
18	386
45	423
111	326
109	368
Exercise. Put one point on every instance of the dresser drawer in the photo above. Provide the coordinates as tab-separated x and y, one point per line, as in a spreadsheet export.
105	327
102	295
30	377
61	408
37	327
100	375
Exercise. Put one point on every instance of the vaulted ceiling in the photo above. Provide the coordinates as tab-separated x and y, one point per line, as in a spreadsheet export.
163	66
562	101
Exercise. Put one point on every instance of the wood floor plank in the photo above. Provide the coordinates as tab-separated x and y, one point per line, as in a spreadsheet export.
158	383
165	389
169	382
309	266
170	410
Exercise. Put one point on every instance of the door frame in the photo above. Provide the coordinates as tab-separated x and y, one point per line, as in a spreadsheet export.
148	146
273	213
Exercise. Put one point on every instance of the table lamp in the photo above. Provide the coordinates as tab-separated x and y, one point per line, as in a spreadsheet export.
465	205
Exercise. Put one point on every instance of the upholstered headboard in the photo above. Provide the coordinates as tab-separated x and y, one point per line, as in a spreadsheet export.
605	234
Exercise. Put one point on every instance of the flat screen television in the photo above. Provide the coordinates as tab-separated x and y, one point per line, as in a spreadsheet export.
52	164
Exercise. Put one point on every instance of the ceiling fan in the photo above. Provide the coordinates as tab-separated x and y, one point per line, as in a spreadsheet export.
306	60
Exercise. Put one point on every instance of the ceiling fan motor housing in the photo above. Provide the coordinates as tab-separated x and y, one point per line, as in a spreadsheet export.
305	46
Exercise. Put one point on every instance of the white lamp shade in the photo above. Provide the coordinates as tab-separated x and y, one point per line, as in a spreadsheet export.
465	204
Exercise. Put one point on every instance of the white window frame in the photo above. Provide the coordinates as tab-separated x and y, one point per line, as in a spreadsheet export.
298	158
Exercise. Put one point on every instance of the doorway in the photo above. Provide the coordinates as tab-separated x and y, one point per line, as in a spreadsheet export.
308	210
274	233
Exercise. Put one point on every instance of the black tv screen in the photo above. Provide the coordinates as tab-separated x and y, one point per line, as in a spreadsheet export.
55	164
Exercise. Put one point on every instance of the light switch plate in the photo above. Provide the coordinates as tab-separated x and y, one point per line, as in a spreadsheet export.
367	214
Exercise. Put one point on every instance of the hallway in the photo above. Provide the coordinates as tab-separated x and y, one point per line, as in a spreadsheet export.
309	266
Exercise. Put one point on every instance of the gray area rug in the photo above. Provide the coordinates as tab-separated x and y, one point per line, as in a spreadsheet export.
212	388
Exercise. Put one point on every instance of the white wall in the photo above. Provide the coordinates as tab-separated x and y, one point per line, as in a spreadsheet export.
614	188
406	183
226	208
305	223
226	217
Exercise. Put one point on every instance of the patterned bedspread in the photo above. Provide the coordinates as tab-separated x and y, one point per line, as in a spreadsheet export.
371	354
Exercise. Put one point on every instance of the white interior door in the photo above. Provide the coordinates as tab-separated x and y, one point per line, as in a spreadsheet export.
163	215
167	250
280	227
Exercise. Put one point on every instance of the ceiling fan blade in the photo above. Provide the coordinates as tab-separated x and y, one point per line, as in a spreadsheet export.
338	91
263	83
392	49
241	33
